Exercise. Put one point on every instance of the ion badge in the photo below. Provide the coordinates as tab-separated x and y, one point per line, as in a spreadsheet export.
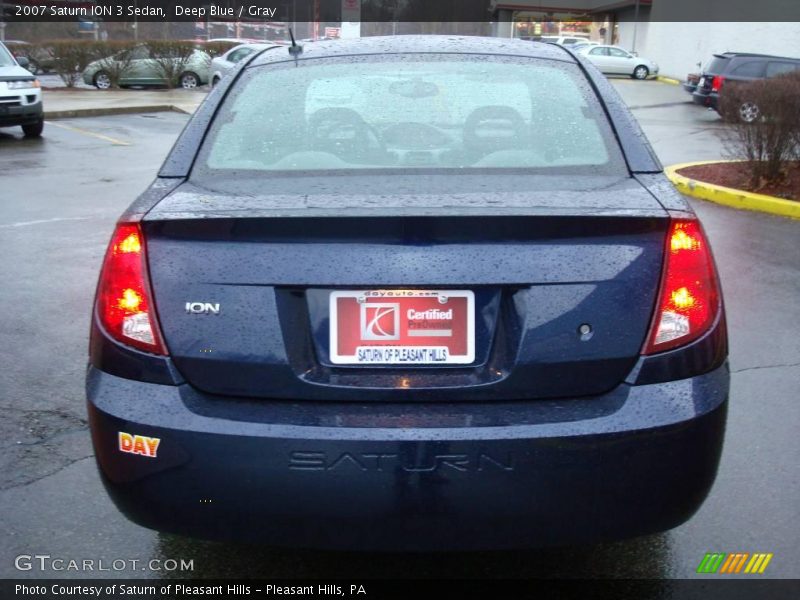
138	444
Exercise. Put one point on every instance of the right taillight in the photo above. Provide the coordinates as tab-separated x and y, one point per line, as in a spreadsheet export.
688	300
124	302
716	83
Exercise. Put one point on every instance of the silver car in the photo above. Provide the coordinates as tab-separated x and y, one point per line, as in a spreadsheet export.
564	40
613	60
222	64
140	67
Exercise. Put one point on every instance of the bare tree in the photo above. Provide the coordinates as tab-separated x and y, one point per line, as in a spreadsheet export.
765	125
172	59
70	58
116	60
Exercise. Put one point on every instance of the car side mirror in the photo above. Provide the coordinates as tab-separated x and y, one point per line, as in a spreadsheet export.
23	62
634	54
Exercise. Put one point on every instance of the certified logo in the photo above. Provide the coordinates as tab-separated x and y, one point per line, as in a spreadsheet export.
380	321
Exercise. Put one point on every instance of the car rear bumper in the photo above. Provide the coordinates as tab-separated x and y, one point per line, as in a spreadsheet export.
21	115
709	100
637	460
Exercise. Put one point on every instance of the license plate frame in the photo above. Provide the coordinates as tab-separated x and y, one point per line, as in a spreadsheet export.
375	327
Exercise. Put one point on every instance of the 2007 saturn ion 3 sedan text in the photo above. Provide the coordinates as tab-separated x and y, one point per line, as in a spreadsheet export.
409	293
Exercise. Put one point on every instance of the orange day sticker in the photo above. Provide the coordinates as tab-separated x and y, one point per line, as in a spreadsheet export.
138	444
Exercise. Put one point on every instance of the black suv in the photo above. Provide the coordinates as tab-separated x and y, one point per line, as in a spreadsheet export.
739	66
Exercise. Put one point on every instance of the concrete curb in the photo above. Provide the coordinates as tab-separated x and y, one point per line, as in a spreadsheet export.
669	80
730	196
111	110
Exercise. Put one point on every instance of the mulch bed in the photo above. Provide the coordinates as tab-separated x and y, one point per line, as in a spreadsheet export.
735	175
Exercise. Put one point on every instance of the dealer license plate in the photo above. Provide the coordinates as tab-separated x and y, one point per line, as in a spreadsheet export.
402	327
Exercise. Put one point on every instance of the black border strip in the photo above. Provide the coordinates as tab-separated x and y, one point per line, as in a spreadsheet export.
704	587
388	11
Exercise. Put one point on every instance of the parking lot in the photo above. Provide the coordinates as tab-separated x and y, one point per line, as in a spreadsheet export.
60	198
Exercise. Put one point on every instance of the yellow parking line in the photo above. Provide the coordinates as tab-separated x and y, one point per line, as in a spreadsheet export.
99	136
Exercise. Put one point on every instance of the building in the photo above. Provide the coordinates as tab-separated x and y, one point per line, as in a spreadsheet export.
680	35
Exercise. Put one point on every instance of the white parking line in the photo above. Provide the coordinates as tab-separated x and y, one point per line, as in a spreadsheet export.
39	222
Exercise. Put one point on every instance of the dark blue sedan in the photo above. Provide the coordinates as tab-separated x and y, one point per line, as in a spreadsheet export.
409	293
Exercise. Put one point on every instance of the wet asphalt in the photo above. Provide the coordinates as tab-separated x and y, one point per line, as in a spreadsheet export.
59	198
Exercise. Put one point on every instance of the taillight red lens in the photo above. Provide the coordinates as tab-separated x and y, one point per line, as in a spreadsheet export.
688	300
716	83
124	301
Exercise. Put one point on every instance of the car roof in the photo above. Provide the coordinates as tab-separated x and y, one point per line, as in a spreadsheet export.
751	55
250	45
594	46
402	44
234	40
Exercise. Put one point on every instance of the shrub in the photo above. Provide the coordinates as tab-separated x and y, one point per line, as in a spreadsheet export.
70	57
114	58
765	125
171	58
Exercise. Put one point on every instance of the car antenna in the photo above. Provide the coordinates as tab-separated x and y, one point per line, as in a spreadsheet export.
294	49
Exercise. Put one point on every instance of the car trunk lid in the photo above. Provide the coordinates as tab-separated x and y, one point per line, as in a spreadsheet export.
563	284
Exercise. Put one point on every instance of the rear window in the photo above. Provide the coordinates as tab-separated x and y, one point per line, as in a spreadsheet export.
433	111
717	65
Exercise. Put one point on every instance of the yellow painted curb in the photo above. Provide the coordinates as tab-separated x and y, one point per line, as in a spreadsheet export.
730	196
668	80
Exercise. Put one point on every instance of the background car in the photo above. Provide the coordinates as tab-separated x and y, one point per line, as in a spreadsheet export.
564	40
222	64
20	96
386	294
142	69
690	85
40	59
584	44
729	68
692	79
613	60
234	41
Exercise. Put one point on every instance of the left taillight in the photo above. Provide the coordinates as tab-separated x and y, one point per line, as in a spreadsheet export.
124	301
689	298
